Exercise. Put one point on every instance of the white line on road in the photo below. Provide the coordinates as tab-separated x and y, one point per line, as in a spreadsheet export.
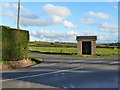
114	63
42	74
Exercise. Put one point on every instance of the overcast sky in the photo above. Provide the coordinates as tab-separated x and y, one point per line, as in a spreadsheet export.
63	21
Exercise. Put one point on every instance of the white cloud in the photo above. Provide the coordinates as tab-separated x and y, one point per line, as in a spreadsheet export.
27	18
52	35
89	33
115	7
29	15
110	26
58	13
8	13
107	38
112	0
108	32
103	27
69	24
107	27
99	15
88	21
72	33
57	19
35	22
53	10
11	5
70	36
102	37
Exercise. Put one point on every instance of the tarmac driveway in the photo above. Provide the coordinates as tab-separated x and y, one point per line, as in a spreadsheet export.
65	72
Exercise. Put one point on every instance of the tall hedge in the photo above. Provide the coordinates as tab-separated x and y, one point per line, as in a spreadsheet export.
14	43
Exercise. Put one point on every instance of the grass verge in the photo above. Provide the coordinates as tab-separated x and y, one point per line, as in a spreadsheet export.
4	62
9	65
35	60
75	54
64	51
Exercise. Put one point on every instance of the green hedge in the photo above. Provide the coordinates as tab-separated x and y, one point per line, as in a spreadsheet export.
14	43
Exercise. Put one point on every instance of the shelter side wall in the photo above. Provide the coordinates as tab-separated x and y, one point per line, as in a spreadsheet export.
93	47
79	47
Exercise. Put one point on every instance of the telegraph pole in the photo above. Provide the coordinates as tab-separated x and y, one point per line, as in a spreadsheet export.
18	17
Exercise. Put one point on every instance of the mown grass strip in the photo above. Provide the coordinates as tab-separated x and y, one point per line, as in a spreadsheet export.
35	60
100	53
4	62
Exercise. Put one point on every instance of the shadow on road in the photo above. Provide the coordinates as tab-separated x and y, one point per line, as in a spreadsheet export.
80	78
94	74
55	53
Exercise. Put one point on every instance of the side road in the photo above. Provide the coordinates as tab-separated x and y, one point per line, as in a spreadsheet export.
65	72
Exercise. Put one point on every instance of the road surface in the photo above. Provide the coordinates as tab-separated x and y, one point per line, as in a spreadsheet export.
65	72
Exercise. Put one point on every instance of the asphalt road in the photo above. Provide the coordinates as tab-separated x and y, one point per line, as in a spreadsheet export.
65	72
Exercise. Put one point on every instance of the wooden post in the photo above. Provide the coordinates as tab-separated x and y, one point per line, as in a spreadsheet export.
18	17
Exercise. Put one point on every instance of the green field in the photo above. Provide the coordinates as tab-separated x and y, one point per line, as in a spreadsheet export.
54	49
100	52
64	44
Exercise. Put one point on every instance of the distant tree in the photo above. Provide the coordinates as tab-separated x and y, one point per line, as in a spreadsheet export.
52	44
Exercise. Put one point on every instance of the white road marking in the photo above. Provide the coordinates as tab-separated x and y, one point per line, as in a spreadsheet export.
41	74
114	63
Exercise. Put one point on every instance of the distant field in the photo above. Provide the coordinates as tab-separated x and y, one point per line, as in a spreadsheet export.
54	49
73	51
52	44
68	45
62	48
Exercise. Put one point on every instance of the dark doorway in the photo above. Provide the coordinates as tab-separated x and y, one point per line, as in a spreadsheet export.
86	47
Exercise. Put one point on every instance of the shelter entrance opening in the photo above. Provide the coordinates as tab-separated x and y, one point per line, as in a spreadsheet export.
86	48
